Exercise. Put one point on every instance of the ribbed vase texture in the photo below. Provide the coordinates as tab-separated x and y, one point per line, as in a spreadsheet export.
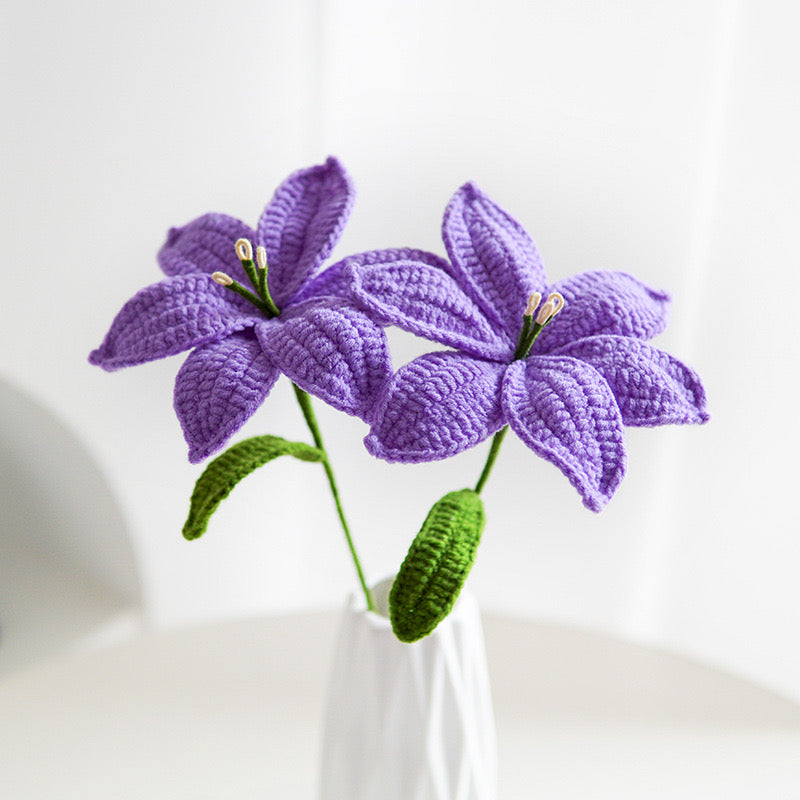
409	721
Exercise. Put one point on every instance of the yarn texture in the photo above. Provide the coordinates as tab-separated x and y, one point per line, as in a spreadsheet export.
436	566
223	473
565	373
589	372
319	340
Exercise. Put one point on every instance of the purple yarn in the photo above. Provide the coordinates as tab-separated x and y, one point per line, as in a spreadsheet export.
588	373
319	341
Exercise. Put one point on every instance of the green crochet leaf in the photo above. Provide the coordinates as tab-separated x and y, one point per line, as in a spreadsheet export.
438	562
226	470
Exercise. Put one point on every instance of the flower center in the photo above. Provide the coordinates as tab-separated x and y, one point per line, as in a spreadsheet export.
532	328
257	274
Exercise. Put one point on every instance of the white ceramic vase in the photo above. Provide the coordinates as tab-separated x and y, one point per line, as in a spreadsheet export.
409	721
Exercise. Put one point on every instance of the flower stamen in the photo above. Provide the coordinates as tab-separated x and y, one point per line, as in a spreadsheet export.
533	304
553	304
244	252
261	276
257	274
527	318
262	287
244	249
223	279
530	329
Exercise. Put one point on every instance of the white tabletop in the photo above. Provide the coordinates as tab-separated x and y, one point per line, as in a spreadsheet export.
233	710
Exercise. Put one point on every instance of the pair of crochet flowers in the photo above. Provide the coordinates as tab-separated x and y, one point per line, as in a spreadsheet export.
565	374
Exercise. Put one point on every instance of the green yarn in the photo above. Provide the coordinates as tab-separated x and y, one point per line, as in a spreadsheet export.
438	562
497	440
226	470
308	412
250	270
237	287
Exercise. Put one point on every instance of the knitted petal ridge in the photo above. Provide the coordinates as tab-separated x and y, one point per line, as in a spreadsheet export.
565	412
330	350
427	302
331	282
436	406
335	280
651	387
603	302
205	245
169	317
302	223
218	388
494	259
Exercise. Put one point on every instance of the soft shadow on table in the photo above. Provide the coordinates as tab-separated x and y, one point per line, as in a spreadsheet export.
551	670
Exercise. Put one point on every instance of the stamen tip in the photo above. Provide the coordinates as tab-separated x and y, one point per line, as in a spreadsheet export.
261	257
222	279
533	304
553	304
244	249
558	298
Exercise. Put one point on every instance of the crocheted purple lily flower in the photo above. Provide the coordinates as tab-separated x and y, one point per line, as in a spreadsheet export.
564	382
295	321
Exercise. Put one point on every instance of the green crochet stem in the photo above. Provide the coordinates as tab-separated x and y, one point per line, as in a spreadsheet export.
493	451
305	404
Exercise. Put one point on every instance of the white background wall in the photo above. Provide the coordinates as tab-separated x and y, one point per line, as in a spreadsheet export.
658	138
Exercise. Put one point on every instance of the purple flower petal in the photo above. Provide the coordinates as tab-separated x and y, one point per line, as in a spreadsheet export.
493	257
331	282
651	387
426	301
565	412
604	303
436	406
205	245
169	317
302	223
331	350
335	281
218	388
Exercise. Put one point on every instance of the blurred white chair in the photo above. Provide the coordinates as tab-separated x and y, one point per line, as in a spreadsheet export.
67	571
